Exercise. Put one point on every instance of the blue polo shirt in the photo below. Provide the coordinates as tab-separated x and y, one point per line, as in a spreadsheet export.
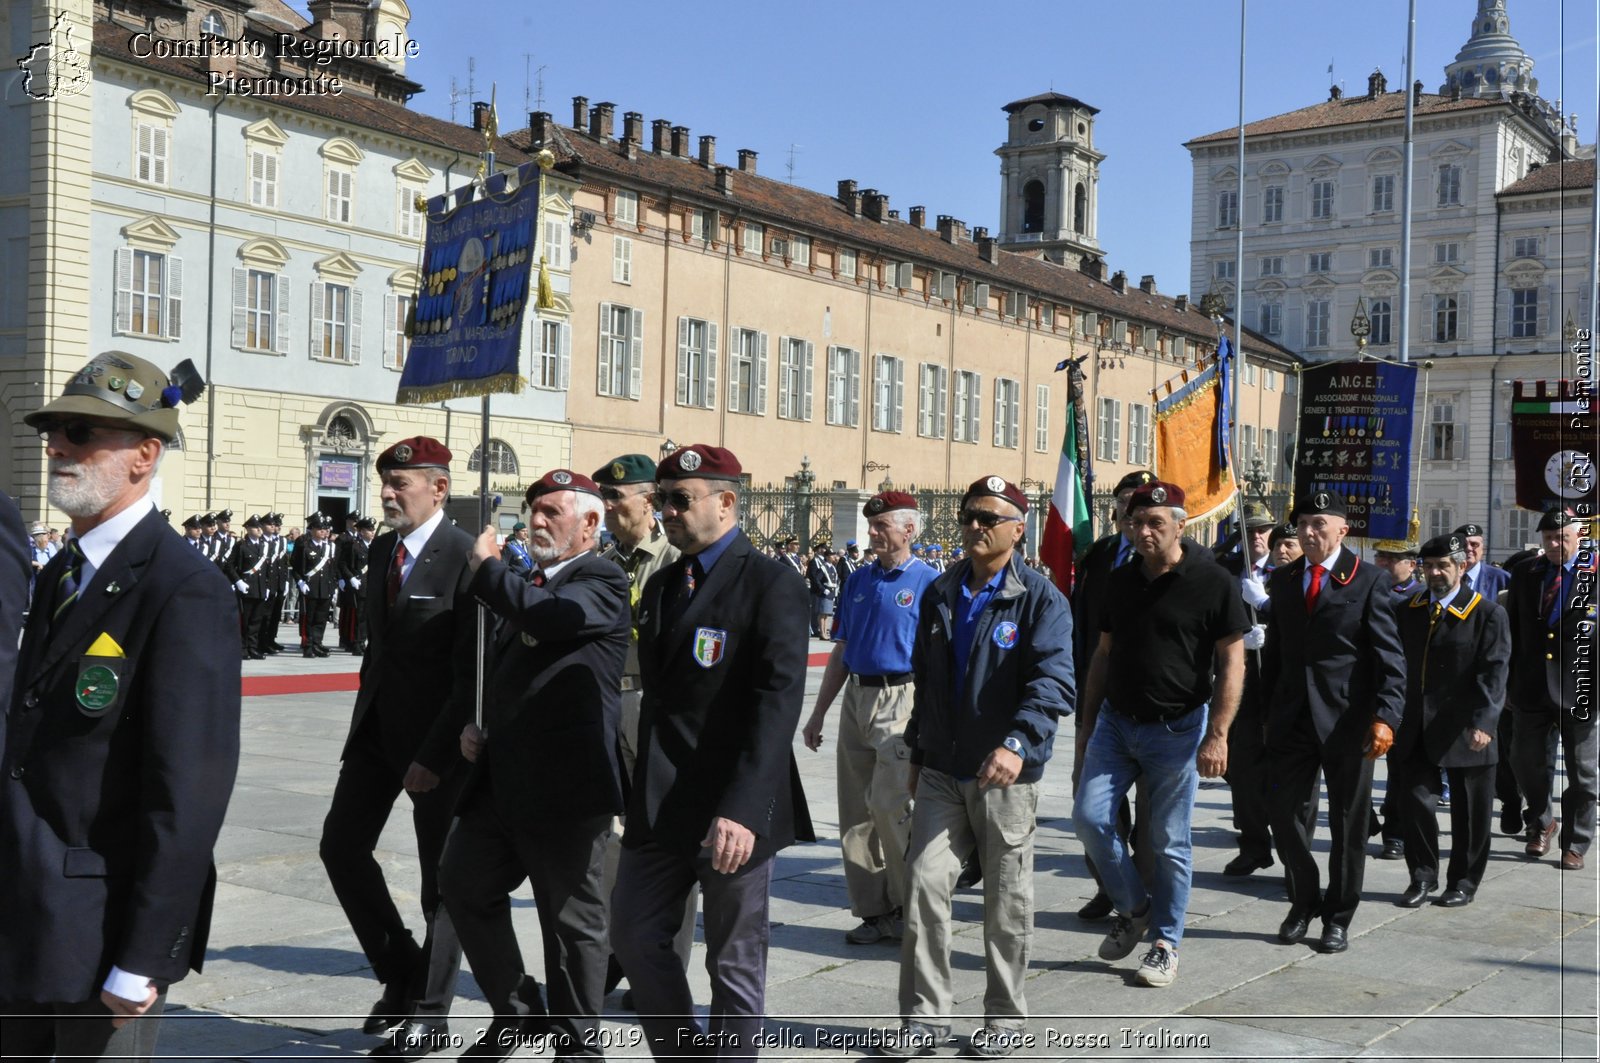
876	617
969	609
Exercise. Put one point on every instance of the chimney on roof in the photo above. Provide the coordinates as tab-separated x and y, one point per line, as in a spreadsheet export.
1147	284
1377	84
988	247
708	152
725	180
850	197
1181	304
680	142
600	120
1093	267
952	230
633	127
894	215
580	113
480	115
1416	93
660	129
747	161
539	124
1334	92
338	20
1119	282
874	204
919	217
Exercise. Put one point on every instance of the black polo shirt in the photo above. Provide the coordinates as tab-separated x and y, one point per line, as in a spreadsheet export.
1164	632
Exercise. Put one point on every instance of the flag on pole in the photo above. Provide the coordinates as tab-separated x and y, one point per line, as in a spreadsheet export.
1067	528
1192	436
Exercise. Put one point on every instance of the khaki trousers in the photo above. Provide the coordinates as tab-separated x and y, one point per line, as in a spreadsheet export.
628	740
874	795
951	817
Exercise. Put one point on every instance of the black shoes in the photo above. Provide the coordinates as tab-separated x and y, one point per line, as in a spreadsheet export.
1393	849
1245	864
507	1033
1098	908
1333	938
417	1038
305	651
1416	894
1454	898
320	651
971	872
1294	928
389	1012
1510	820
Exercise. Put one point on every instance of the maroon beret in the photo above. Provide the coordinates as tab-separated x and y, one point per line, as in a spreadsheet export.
997	487
1156	493
562	480
418	452
886	502
700	462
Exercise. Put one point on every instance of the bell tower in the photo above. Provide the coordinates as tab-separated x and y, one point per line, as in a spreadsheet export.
1050	180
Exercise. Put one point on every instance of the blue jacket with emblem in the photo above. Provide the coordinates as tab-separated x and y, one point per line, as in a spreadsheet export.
1017	690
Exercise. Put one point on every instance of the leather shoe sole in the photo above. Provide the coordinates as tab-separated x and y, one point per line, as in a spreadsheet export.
1415	894
1454	899
1539	840
1334	939
1293	929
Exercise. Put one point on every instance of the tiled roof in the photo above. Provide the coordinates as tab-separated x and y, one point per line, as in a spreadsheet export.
278	14
1349	110
1554	176
784	205
351	108
1049	97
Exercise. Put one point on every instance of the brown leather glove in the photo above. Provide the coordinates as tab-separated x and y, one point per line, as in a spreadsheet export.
1379	739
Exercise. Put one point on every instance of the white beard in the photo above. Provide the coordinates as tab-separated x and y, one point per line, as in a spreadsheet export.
89	491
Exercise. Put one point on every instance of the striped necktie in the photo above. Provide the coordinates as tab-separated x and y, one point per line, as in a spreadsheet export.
68	586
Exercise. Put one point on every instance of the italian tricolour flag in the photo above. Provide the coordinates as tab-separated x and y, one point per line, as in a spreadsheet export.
1067	528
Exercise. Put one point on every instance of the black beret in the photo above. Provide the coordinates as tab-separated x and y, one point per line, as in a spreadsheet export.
1470	531
1137	478
1556	519
1318	502
1443	546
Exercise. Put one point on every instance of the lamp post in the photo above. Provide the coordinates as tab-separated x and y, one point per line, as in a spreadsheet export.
804	482
877	466
1360	327
668	449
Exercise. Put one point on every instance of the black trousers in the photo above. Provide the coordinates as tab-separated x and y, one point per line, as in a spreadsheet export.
1293	761
352	621
1506	790
1247	780
275	607
251	611
646	912
38	1032
314	614
1533	752
561	857
362	800
1471	819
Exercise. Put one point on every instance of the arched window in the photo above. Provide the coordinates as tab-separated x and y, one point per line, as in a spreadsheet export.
1080	209
502	459
1033	207
342	428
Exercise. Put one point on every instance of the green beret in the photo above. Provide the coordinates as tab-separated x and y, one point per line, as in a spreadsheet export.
628	469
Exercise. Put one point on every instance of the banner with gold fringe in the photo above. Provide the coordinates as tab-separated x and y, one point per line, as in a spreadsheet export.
478	263
1191	441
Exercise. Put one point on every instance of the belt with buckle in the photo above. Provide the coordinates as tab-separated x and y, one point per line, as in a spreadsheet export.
631	682
893	680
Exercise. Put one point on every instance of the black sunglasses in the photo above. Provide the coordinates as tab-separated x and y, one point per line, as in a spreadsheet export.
985	518
612	494
682	500
78	432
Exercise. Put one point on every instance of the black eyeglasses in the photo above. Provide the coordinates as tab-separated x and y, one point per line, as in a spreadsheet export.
613	495
985	518
78	433
682	500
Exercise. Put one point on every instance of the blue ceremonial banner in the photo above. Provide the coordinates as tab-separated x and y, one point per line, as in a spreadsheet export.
479	257
1355	441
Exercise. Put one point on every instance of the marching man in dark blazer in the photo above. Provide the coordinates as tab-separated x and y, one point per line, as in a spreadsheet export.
416	694
16	576
1458	649
716	791
122	736
1333	676
1551	602
353	554
552	698
316	569
250	567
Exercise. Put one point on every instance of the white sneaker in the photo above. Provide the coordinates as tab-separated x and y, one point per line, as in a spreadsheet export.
1160	966
1126	933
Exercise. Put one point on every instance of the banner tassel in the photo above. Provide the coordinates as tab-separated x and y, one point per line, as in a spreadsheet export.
547	296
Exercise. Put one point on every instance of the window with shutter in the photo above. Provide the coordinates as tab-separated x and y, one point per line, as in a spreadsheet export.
263	179
1041	418
636	353
146	289
810	374
697	362
627	207
849	264
622	260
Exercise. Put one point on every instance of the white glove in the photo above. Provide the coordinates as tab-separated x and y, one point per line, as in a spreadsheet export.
268	598
1256	637
355	581
241	586
305	588
1255	595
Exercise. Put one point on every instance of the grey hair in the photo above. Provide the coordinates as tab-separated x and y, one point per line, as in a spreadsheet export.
584	503
1179	513
912	517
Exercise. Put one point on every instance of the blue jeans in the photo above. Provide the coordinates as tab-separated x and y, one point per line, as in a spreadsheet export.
1162	754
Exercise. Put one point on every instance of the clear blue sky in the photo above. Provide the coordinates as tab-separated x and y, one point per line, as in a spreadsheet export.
906	97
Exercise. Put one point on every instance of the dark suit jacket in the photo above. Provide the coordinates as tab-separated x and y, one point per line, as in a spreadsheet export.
1343	663
418	673
723	686
317	564
252	563
1088	595
1545	660
1492	579
552	697
107	821
16	574
1455	680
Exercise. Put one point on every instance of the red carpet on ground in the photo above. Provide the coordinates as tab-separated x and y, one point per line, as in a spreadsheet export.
325	682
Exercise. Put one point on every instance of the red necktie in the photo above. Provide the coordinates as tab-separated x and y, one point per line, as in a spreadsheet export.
537	579
1552	594
1315	588
396	569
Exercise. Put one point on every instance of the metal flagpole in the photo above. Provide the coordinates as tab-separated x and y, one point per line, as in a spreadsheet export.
489	131
1405	189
